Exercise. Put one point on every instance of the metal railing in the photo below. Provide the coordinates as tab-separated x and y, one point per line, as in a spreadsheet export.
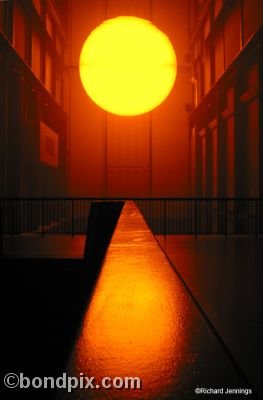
192	216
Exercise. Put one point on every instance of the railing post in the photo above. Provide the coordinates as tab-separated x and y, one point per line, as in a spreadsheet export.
256	217
195	216
12	218
42	217
164	217
72	217
226	217
260	216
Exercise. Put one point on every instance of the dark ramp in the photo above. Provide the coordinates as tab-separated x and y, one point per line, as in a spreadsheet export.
43	301
102	221
142	323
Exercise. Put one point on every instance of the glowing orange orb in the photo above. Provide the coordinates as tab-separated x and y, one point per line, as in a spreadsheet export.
127	66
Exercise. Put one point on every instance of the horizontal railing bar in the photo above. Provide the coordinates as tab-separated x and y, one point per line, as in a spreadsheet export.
132	198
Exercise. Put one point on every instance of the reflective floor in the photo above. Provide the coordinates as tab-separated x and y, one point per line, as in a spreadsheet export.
225	275
141	322
50	246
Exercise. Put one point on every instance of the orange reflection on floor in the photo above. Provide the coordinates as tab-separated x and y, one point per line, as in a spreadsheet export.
134	324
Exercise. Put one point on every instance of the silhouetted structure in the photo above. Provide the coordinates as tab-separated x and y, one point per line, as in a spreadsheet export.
226	132
33	124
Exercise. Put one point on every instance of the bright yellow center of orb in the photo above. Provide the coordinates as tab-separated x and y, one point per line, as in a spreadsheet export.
127	66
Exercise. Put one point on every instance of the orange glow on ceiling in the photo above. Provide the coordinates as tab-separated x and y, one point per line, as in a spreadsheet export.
127	66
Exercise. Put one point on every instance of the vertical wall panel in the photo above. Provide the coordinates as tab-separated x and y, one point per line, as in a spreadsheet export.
128	141
204	165
128	156
2	16
207	72
19	30
49	72
253	147
36	54
230	156
215	162
193	161
232	35
219	57
252	17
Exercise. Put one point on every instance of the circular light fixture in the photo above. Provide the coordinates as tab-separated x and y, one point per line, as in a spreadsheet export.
127	66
